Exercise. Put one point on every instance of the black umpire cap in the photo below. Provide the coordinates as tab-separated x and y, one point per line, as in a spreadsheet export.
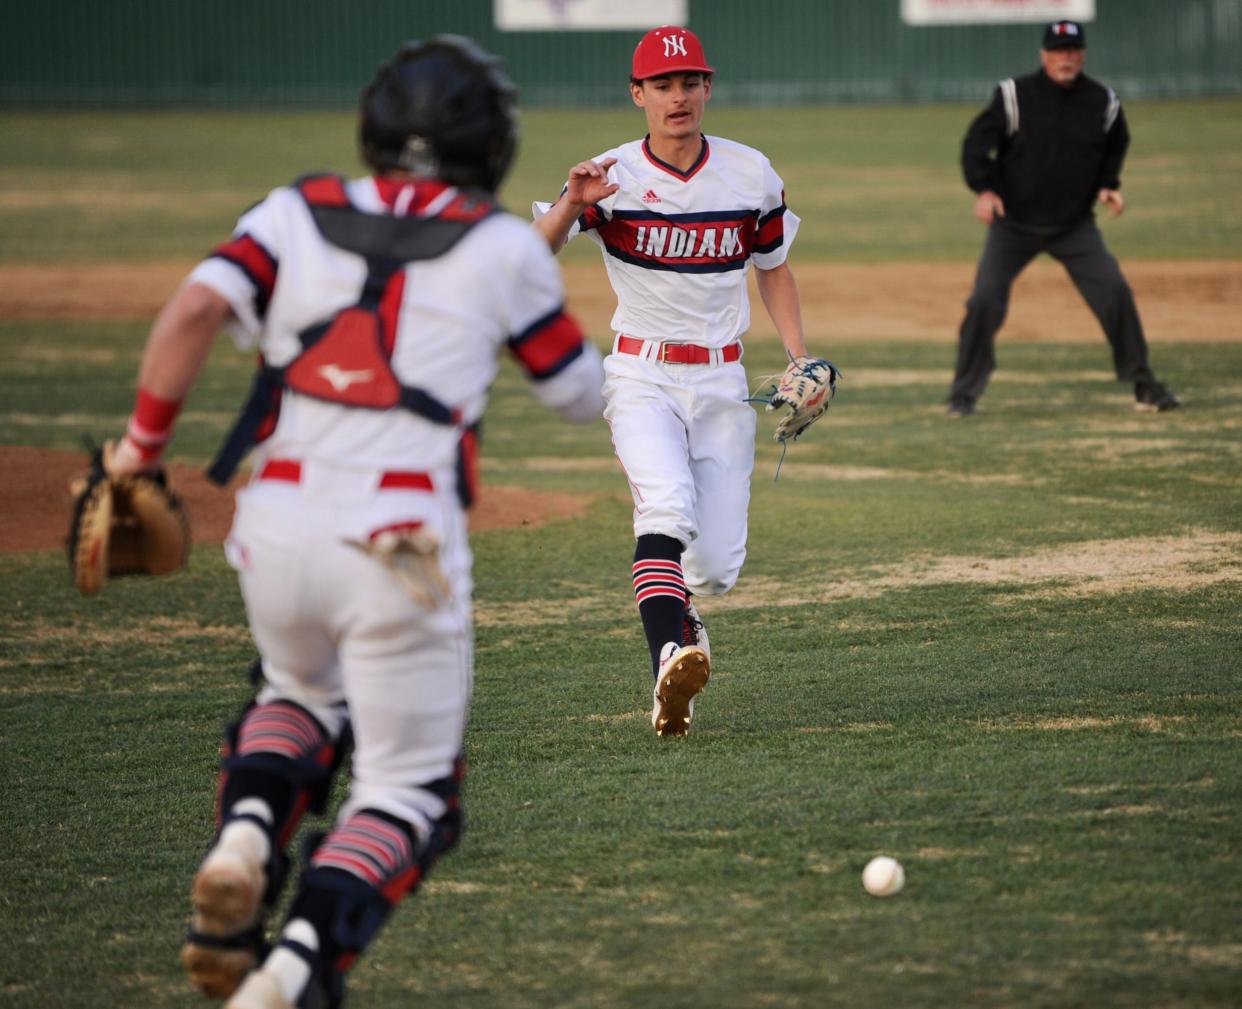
1065	35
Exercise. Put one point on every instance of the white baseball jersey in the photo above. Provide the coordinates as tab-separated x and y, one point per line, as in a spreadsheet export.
499	285
677	244
334	625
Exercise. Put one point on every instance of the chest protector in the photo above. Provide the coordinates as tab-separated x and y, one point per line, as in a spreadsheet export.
346	358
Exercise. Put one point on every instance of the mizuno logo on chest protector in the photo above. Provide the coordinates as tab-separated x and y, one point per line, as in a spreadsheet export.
340	379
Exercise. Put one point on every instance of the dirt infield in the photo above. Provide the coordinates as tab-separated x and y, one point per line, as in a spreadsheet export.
1180	300
35	501
1197	300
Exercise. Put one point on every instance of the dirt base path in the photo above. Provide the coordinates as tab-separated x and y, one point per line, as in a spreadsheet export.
1179	299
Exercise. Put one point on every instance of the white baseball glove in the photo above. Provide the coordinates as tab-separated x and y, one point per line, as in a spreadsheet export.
807	388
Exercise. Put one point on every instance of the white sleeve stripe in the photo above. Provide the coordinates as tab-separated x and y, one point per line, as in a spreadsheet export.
1009	94
1114	107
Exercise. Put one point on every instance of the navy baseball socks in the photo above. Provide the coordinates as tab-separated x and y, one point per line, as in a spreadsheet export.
660	591
674	632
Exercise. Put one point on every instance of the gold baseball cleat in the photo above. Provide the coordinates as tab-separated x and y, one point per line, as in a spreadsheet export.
684	672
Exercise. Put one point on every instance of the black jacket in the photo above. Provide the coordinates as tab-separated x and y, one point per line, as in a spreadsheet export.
1068	144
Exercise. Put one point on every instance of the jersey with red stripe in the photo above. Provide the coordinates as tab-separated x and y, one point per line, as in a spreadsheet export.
443	320
677	245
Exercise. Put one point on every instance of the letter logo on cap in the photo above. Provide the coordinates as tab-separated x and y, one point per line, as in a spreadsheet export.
674	45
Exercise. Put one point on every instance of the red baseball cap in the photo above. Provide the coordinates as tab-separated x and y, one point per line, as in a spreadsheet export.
669	50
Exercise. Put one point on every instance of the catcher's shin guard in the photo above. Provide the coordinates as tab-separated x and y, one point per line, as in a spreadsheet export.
279	760
280	753
357	873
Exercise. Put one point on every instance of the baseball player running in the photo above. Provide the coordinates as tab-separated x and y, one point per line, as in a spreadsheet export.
680	218
379	307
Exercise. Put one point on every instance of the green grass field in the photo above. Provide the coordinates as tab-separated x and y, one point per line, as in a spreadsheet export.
869	183
1004	650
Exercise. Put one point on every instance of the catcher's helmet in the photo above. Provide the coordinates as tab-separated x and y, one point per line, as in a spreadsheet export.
442	108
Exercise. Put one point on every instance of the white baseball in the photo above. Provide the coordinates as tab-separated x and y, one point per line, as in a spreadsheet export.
883	876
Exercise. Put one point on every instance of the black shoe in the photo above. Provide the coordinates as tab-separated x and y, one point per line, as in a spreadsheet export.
1152	397
960	406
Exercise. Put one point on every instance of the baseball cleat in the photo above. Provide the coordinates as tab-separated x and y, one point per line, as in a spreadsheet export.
1153	397
683	674
960	406
259	991
223	939
693	632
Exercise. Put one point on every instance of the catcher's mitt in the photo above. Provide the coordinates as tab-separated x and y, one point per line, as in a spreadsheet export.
807	388
129	524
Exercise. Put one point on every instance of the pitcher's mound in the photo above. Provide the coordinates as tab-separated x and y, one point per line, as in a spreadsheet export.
35	500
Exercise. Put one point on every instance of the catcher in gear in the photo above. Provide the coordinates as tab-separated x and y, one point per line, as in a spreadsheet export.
130	523
350	539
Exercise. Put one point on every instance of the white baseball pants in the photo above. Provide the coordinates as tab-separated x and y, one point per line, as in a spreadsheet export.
340	636
685	436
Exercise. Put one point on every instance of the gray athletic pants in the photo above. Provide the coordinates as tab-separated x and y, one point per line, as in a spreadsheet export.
1091	267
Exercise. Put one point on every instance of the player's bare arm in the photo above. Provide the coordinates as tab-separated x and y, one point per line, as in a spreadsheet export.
779	291
587	185
180	340
177	348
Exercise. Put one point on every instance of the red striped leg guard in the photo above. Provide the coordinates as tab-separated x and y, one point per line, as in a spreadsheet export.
280	753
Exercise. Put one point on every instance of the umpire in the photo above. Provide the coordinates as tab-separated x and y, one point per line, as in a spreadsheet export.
1047	147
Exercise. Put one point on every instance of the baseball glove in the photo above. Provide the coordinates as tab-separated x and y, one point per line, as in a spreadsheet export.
807	388
129	524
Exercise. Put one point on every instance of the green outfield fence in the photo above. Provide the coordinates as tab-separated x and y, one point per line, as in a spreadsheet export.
317	52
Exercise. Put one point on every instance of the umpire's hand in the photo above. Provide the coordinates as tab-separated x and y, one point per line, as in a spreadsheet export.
1115	202
989	206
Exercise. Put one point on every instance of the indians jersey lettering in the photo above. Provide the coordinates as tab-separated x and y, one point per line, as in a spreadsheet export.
677	244
685	243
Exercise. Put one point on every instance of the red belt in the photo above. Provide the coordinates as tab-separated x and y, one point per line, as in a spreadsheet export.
290	470
680	353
